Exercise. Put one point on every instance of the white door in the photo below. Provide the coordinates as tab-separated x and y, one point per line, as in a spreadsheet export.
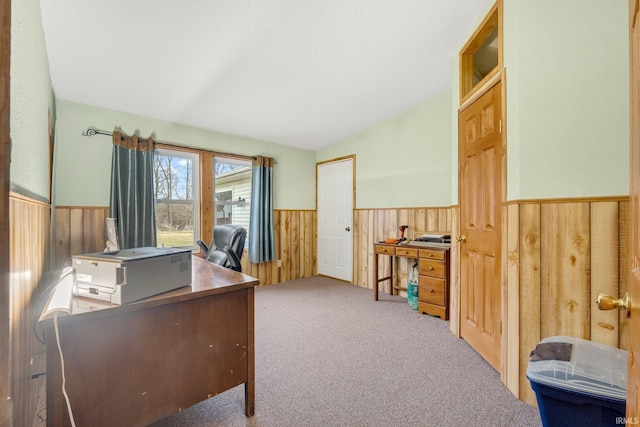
335	219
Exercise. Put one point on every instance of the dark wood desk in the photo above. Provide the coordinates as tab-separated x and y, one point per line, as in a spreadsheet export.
433	273
134	364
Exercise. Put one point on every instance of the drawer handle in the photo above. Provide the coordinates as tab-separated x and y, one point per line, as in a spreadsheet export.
430	255
430	268
431	290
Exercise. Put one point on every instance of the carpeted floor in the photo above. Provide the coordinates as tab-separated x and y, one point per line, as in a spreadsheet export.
327	354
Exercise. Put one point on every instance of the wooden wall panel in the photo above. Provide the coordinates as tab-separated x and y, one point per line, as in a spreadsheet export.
527	223
29	262
81	230
568	252
565	239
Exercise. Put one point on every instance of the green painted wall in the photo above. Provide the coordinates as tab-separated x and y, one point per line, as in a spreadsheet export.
404	161
82	173
567	98
567	115
31	100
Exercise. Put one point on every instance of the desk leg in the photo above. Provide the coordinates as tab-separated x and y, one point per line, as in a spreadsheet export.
249	386
394	275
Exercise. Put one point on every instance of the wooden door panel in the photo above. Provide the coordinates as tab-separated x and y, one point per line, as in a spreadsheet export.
489	169
474	167
479	275
480	219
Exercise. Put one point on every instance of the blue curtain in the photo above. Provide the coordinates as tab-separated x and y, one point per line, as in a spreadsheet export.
132	193
262	246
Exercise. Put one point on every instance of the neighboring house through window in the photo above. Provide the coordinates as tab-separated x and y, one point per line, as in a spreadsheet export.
232	188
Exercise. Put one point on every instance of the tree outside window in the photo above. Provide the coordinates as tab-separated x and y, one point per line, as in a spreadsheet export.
176	192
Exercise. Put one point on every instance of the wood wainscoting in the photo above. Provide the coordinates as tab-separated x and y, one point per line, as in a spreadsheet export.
559	255
30	223
372	225
82	230
296	247
79	230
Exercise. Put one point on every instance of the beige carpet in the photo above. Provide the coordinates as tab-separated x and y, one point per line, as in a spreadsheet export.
327	354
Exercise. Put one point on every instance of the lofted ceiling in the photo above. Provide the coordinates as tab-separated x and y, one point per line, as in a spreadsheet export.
304	73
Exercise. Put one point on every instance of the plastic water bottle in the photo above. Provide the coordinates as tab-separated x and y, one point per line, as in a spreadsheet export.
412	287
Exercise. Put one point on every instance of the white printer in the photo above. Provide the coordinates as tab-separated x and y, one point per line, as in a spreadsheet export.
128	275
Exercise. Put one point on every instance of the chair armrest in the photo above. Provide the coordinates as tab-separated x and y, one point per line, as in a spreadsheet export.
203	246
234	261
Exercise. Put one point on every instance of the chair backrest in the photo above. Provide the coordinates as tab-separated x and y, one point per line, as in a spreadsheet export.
227	246
229	235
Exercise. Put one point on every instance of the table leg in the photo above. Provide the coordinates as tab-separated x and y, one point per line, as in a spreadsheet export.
249	386
375	276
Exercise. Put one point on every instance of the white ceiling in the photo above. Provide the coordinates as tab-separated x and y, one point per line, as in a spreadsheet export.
304	73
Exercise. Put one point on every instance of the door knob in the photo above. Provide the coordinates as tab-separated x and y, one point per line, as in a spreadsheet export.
347	228
462	238
607	302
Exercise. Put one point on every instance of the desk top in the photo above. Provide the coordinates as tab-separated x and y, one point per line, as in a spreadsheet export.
207	279
416	245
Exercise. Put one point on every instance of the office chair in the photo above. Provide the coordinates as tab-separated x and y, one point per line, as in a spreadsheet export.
226	247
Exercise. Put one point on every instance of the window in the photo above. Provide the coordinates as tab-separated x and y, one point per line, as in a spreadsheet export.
481	57
176	175
232	188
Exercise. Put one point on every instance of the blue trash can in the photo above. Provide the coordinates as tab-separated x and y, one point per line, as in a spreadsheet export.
578	382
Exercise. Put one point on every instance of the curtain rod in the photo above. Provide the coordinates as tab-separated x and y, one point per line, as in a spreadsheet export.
91	131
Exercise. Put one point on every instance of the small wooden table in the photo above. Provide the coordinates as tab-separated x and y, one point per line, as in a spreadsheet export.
138	363
433	273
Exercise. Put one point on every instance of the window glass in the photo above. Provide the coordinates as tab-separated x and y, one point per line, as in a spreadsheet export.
176	192
232	188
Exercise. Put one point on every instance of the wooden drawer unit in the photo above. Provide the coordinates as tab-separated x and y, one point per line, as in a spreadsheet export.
433	282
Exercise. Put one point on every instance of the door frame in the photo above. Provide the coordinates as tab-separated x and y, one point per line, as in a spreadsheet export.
509	365
351	157
6	407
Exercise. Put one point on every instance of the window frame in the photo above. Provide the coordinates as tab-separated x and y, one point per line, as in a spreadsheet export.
206	191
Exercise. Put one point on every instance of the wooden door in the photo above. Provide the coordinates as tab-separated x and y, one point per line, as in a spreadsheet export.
633	386
480	163
335	219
